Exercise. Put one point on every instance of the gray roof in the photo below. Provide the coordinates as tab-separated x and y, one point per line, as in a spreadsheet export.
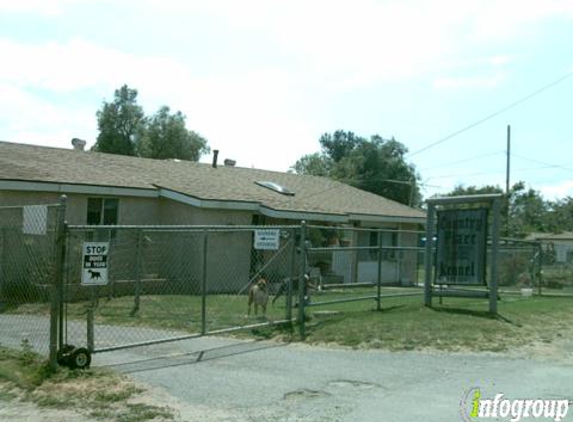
20	162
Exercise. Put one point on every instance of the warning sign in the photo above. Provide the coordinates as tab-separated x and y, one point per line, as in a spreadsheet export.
267	239
94	263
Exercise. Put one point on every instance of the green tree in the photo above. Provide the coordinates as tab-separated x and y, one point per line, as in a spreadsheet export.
120	123
560	215
313	164
375	165
523	212
165	136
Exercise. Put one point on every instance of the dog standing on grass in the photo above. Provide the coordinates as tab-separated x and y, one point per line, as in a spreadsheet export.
259	296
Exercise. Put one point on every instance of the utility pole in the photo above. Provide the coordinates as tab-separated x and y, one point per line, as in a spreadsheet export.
508	160
507	172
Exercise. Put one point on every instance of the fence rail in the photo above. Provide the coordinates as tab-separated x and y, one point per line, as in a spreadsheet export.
167	283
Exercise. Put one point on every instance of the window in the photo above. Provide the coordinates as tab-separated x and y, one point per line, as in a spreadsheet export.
275	187
102	211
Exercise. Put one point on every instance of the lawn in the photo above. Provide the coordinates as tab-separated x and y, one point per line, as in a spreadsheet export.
403	323
456	325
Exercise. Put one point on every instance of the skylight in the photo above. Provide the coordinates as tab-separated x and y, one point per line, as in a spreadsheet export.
276	187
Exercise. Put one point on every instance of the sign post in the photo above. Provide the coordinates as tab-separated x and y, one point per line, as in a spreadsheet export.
461	235
95	263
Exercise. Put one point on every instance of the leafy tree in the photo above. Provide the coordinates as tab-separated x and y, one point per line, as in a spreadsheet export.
313	164
524	212
124	129
528	211
376	165
339	145
560	215
165	136
119	123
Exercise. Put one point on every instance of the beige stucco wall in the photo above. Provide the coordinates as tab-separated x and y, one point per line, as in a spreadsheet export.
176	213
178	257
228	252
132	210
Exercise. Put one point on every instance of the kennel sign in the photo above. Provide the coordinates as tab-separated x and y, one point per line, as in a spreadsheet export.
461	246
95	263
267	239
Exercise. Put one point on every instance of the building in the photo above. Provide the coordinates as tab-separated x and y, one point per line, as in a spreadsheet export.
121	190
560	244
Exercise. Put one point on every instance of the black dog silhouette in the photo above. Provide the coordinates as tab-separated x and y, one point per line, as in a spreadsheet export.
94	275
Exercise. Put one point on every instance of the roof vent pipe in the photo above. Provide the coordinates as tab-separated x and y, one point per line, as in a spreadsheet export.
215	155
79	144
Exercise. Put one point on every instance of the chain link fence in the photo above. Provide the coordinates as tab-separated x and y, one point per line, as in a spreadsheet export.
520	267
556	278
166	283
362	265
28	270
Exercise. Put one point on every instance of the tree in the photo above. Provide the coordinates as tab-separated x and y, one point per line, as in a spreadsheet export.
124	129
165	136
523	212
120	123
376	165
560	215
313	164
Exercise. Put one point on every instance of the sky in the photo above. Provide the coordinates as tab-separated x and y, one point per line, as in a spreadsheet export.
263	80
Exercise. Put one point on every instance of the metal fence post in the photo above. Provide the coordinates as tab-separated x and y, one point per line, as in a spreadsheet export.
494	258
56	306
204	284
3	267
539	268
302	281
90	327
290	278
428	255
138	265
379	275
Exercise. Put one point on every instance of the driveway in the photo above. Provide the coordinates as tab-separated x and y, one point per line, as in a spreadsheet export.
217	379
221	379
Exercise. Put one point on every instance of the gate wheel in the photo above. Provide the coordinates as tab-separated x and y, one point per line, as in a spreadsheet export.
80	358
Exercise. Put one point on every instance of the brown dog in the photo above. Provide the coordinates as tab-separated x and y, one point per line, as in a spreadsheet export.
258	295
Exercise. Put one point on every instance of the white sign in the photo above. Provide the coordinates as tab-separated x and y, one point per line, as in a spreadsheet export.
94	263
35	219
267	239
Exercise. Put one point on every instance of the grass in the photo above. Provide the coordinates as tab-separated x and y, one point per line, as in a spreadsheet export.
456	325
100	394
402	324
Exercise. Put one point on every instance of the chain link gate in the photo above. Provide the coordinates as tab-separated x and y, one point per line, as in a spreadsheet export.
167	283
30	260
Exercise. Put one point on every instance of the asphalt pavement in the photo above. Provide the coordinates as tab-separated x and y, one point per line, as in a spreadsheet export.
236	380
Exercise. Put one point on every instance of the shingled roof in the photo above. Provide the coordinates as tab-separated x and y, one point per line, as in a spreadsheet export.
198	181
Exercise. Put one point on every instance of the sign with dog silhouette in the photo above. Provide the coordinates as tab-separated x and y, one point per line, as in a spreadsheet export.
94	263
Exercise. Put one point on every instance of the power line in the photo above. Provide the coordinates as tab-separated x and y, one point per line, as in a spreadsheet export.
492	115
545	167
465	160
542	162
